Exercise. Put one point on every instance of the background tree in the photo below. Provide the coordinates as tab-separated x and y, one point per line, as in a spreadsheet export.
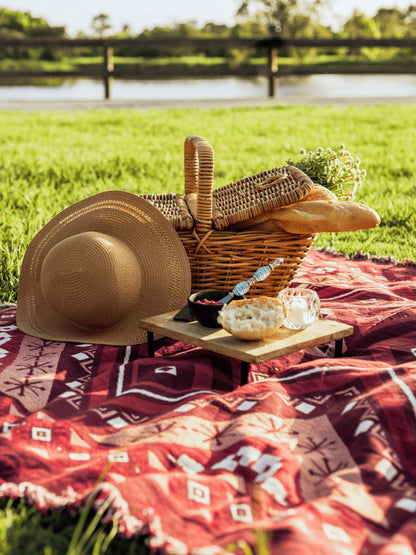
359	25
15	23
396	23
18	24
101	24
410	19
284	17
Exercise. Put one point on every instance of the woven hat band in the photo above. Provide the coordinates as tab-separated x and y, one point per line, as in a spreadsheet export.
91	279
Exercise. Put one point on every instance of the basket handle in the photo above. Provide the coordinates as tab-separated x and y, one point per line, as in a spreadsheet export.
199	177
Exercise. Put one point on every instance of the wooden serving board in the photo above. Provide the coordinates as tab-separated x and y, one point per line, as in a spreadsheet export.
283	342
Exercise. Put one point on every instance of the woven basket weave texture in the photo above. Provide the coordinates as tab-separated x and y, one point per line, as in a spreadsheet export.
174	208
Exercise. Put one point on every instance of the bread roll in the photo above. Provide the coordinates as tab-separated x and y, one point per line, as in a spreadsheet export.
319	192
252	319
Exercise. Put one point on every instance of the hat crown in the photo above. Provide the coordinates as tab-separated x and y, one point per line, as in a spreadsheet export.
91	279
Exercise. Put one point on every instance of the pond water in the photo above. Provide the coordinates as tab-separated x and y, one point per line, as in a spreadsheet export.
324	86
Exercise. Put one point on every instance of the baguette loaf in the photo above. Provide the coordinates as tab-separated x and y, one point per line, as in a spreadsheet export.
252	319
318	216
315	216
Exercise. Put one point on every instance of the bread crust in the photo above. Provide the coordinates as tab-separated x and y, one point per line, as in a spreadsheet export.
319	192
252	319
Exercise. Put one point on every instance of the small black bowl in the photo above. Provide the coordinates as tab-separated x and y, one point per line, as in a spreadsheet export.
207	314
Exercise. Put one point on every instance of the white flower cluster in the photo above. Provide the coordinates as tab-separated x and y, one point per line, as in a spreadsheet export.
337	170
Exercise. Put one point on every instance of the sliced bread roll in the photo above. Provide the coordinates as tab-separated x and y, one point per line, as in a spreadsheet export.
252	319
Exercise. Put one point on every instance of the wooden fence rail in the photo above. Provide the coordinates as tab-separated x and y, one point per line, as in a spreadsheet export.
271	45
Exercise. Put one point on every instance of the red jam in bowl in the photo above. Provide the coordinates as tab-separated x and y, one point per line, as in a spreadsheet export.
208	301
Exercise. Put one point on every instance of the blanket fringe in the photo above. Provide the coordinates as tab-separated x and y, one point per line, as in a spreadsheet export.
128	525
358	255
5	306
44	500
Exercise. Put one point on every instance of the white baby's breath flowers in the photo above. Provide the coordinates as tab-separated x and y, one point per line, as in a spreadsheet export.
337	169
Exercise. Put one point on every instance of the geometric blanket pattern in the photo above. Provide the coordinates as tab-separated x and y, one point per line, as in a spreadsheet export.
317	451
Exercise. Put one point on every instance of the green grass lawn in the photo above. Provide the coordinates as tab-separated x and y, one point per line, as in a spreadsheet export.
51	160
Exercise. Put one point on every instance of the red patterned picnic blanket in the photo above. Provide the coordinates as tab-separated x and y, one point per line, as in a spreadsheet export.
318	451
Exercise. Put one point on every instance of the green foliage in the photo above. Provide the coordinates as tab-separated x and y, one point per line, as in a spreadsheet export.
87	536
359	25
261	545
396	23
23	24
18	24
290	18
24	529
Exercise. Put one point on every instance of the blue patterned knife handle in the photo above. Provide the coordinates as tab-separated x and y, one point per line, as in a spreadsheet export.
259	275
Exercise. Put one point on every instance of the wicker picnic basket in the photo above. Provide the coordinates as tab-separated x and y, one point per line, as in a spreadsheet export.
220	258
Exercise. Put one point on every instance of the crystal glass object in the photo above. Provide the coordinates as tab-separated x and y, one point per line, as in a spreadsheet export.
301	307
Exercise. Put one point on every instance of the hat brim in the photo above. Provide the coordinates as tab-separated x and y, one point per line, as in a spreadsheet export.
165	269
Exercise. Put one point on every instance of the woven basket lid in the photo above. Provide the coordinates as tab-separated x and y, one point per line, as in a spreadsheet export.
258	194
173	206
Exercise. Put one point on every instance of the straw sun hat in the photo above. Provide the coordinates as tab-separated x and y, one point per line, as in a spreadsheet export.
98	267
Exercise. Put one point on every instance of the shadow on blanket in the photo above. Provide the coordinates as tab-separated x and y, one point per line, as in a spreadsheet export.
317	450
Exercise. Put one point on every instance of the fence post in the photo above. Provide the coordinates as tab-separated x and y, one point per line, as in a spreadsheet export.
272	71
108	70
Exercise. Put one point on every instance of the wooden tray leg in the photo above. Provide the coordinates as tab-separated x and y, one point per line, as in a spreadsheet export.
150	344
338	348
244	372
